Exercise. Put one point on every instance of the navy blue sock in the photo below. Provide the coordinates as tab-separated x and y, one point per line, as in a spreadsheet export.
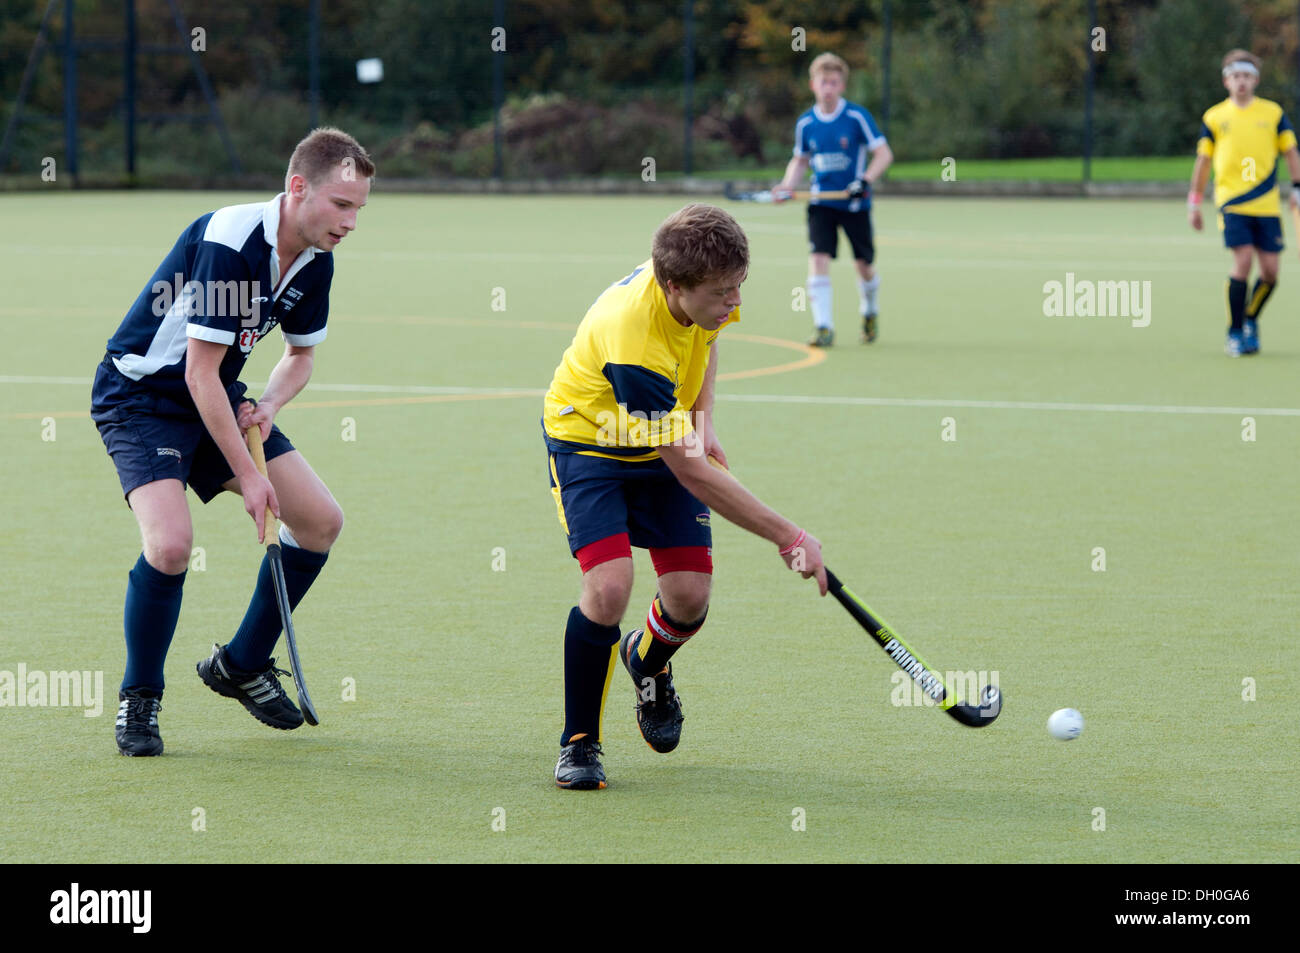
252	645
153	604
1258	296
662	637
589	655
1236	303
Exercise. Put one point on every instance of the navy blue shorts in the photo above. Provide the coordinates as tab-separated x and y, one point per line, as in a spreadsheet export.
598	497
151	437
1262	231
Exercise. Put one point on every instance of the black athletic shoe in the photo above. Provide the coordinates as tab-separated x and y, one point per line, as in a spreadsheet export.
579	766
869	328
259	691
137	723
822	337
658	709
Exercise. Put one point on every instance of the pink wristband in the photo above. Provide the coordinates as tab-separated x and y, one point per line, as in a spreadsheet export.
795	545
1193	198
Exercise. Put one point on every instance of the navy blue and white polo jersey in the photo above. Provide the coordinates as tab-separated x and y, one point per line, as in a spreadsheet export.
221	283
837	145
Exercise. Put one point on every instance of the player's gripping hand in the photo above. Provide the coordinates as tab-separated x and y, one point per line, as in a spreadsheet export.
859	188
259	495
804	556
781	193
252	412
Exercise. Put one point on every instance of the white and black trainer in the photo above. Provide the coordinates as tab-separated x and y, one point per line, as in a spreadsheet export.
137	723
260	691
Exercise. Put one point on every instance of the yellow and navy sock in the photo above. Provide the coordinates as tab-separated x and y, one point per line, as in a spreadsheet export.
253	643
153	604
589	655
1258	295
1236	302
662	637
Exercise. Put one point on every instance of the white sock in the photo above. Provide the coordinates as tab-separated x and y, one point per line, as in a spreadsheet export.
286	537
867	294
819	297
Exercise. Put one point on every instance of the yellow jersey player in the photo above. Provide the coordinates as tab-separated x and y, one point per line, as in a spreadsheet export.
628	423
1243	137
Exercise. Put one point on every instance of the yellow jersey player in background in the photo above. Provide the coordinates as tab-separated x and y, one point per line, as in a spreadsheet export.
629	432
1243	137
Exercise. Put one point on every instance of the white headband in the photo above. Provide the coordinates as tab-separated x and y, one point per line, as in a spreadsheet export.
1240	66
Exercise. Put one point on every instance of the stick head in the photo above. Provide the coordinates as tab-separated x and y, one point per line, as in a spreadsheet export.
977	716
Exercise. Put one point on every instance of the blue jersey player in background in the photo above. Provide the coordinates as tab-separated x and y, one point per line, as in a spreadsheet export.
834	138
172	412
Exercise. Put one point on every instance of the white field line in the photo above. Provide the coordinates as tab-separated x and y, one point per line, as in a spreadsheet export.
824	400
1015	259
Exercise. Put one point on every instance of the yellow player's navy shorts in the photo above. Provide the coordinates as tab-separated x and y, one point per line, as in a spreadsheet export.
1262	231
598	497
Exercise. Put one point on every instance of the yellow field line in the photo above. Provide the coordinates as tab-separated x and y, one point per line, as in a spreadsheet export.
811	357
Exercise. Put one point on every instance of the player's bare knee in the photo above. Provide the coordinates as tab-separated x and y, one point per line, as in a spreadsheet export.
170	556
331	523
689	612
687	602
318	529
610	602
605	599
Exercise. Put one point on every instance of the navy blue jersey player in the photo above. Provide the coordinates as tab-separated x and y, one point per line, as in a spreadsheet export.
835	138
172	412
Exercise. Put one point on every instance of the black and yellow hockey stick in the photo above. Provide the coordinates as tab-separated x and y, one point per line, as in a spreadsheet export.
931	682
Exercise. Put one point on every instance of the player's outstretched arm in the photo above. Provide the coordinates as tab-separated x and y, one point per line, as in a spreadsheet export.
725	495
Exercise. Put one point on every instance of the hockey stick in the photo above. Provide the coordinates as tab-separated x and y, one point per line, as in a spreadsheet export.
272	537
973	716
769	196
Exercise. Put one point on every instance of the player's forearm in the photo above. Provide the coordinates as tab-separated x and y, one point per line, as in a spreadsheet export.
213	405
1293	163
727	496
288	379
794	172
881	160
1200	175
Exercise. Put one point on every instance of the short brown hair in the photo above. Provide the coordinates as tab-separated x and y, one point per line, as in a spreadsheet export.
324	150
1232	56
828	63
696	244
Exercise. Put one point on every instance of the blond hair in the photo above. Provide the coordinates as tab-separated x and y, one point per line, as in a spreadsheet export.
325	149
697	244
828	63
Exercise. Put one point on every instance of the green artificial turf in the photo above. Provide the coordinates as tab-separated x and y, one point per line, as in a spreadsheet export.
444	600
